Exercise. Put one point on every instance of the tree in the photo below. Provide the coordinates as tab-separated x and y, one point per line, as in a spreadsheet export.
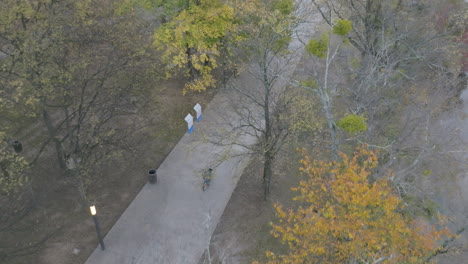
167	9
380	33
404	83
71	75
193	40
262	103
369	17
393	61
71	65
322	49
395	50
342	217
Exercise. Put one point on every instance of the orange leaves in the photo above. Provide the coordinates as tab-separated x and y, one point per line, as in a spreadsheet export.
344	217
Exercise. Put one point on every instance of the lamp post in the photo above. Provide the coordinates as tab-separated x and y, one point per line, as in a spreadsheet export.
98	229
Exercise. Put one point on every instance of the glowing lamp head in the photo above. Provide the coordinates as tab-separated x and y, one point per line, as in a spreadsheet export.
93	210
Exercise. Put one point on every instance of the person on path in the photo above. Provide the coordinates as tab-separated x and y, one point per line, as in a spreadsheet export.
207	176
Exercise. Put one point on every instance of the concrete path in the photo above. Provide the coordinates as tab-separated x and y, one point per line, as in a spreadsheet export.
173	220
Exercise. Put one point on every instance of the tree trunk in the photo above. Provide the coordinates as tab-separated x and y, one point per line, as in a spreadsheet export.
188	51
81	186
373	25
267	171
332	127
52	135
268	156
327	106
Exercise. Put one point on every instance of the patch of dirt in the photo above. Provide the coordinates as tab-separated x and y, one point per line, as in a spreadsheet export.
242	235
232	237
58	214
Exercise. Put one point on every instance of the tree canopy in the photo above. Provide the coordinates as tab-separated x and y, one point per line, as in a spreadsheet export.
193	39
342	217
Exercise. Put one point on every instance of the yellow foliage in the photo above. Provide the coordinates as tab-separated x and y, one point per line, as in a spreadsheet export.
199	29
344	218
200	84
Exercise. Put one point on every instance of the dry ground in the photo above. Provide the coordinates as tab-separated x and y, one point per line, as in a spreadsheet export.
243	233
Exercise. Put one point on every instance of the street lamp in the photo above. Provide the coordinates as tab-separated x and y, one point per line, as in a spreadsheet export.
98	229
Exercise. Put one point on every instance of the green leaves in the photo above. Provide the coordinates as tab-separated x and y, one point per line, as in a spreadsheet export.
168	7
353	124
319	47
285	7
342	27
311	83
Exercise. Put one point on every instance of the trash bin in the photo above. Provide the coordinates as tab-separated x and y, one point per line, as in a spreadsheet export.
17	146
152	177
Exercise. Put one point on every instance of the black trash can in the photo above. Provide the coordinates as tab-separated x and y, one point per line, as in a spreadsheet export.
17	146
152	177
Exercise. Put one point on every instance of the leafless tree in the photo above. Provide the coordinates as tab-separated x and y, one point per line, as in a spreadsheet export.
259	96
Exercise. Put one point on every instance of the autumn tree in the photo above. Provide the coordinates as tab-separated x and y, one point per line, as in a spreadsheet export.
342	217
193	40
71	75
401	77
78	77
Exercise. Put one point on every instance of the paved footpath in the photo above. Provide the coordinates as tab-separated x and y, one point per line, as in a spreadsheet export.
172	221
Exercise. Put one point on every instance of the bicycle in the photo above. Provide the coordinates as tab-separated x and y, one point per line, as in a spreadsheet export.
207	176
